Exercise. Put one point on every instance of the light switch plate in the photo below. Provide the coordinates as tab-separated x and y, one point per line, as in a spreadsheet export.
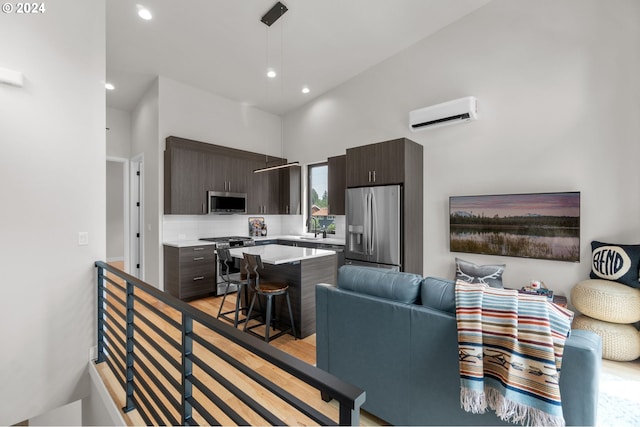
83	238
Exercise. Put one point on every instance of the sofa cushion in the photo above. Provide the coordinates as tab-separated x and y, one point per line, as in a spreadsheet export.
439	294
472	273
380	282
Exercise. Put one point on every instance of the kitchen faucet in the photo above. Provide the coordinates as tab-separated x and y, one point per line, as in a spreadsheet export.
311	221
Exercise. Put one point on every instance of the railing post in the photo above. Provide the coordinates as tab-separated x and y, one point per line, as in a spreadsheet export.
187	367
101	332
350	413
130	405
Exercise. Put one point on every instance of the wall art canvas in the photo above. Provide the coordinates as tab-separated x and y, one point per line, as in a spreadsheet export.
539	225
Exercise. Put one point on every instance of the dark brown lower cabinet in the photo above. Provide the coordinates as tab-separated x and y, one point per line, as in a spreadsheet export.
190	272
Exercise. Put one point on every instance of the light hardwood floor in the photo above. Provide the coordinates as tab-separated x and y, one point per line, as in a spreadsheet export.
303	349
627	370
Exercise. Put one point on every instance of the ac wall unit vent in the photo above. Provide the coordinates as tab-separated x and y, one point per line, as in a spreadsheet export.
448	113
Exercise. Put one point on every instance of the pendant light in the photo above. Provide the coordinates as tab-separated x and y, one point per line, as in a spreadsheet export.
268	19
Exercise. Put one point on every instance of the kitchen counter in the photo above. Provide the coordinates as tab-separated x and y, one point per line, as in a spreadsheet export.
300	268
292	238
281	254
188	243
335	240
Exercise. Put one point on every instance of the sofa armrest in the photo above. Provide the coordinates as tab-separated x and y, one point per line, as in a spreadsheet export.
580	377
364	340
322	326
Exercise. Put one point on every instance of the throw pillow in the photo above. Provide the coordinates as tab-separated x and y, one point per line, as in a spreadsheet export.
619	263
472	273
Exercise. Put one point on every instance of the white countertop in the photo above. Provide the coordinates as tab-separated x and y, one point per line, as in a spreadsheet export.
294	238
187	243
307	238
280	254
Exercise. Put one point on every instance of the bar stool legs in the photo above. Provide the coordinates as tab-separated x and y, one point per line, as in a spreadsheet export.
236	312
269	290
269	320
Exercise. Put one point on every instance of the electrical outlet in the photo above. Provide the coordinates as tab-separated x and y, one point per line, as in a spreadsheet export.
83	238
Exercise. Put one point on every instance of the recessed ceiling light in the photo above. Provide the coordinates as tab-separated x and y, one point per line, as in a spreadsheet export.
144	13
305	89
109	86
271	73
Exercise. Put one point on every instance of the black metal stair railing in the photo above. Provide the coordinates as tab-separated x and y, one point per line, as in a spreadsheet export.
175	365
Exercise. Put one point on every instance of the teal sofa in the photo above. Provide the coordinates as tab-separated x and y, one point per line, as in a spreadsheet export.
394	335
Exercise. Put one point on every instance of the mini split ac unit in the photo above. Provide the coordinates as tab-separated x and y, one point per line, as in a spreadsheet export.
448	113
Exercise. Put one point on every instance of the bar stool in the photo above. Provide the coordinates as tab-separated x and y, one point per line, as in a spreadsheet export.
225	258
269	291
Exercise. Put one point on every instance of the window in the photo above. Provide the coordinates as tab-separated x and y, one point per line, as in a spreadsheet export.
318	199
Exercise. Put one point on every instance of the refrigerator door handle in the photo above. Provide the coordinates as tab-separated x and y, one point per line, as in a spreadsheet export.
372	221
368	219
365	224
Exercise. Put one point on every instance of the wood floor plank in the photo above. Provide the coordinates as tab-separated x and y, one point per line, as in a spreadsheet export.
303	349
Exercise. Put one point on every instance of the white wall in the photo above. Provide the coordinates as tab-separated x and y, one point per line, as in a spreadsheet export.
99	409
67	415
115	210
118	152
144	141
173	108
195	114
558	98
53	172
118	133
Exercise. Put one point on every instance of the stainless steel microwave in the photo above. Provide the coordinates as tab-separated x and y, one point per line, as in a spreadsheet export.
227	203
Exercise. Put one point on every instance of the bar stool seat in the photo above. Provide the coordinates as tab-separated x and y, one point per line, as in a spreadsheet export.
269	290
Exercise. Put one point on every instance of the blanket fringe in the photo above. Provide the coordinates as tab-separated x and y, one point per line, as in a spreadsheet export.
477	402
473	401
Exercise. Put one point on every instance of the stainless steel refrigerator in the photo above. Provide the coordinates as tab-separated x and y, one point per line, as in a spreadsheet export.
374	227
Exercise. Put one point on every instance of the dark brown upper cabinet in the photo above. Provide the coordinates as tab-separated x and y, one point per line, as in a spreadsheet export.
227	173
185	170
337	177
191	168
376	164
290	187
263	195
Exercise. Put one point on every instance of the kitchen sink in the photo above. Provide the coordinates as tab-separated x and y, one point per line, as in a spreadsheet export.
310	238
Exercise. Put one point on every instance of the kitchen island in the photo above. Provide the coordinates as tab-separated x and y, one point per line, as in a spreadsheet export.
301	269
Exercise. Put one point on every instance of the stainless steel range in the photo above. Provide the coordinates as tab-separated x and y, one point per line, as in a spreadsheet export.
228	243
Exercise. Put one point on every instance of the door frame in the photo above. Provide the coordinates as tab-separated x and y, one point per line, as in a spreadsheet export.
136	213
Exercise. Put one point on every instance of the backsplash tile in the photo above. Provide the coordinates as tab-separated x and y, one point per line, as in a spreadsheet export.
193	227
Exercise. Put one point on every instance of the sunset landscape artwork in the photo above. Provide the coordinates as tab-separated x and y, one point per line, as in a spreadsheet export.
539	225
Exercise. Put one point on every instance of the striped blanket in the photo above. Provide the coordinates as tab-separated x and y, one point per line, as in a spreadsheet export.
510	347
